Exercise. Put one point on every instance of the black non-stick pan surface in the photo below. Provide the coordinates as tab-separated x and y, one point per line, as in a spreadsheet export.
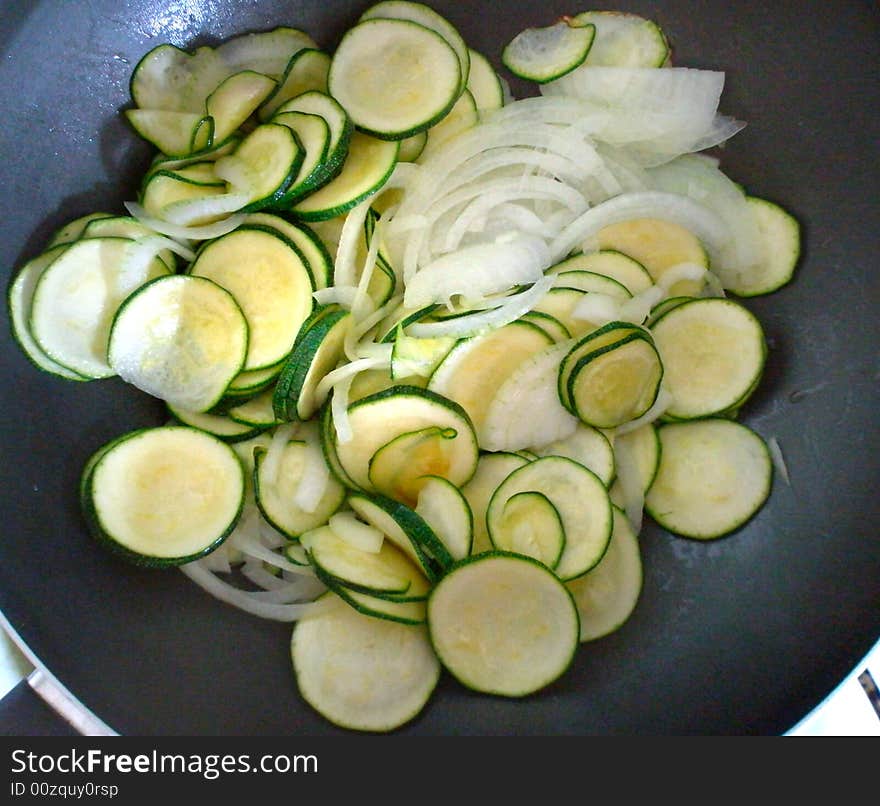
740	636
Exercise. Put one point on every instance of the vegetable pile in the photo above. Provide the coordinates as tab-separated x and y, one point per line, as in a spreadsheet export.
429	353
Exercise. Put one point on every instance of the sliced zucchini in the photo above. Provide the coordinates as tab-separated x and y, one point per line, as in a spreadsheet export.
640	450
277	485
267	52
380	418
607	596
363	673
387	573
713	351
394	77
306	71
406	529
367	166
175	134
528	524
76	298
339	123
476	367
658	245
542	54
412	356
73	230
631	274
580	500
624	40
401	467
560	303
609	385
179	338
220	425
317	351
549	324
271	283
587	446
263	166
251	382
525	409
445	509
411	147
460	118
166	191
780	248
19	298
256	411
589	281
164	496
313	133
356	533
714	476
309	245
126	227
503	624
234	100
484	83
168	78
492	469
421	14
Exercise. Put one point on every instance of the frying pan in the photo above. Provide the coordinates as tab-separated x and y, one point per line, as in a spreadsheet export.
739	636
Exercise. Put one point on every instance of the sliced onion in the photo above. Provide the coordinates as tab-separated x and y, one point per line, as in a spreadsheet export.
664	401
143	251
343	295
512	308
691	215
597	308
637	309
480	270
272	459
245	601
778	459
252	546
315	478
186	213
630	484
339	410
345	373
679	272
205	232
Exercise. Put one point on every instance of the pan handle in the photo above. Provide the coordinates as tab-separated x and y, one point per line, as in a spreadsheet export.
39	706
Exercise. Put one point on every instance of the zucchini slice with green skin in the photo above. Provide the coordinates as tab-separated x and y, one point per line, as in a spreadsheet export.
19	297
276	497
73	230
406	529
503	624
631	274
387	573
179	338
271	282
166	190
263	166
126	227
306	71
220	425
714	352
624	40
164	496
780	247
492	469
607	595
659	246
341	130
423	15
580	500
528	524
401	467
234	100
367	166
463	116
317	351
380	418
510	423
542	54
356	533
476	367
445	509
310	246
267	52
363	673
175	134
714	476
77	296
587	446
405	611
256	411
616	383
313	133
484	83
394	77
